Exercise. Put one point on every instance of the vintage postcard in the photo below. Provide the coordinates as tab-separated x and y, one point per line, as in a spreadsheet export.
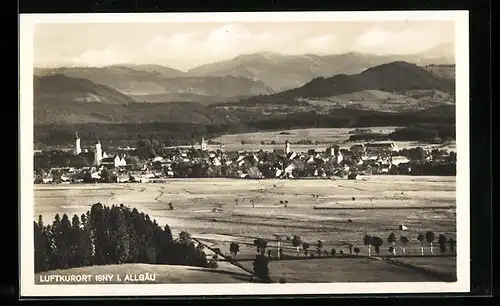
245	153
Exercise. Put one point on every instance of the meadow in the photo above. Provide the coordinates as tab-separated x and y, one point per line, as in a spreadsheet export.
325	136
250	209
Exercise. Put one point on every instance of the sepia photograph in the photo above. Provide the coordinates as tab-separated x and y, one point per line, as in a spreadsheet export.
245	153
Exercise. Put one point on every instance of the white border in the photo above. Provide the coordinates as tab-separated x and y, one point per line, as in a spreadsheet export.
27	285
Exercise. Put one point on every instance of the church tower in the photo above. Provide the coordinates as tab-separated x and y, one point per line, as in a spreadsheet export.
287	147
78	149
97	154
203	144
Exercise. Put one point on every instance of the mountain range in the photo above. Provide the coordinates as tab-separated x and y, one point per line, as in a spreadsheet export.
396	86
282	72
150	83
243	76
397	77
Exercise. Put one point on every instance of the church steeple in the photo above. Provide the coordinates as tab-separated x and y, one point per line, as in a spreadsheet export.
78	149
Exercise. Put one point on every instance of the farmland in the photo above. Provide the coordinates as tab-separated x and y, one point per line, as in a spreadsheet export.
324	136
373	205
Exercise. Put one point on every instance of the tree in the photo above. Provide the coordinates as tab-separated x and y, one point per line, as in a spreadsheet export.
86	245
367	241
184	238
442	243
234	248
261	245
350	246
41	247
76	247
260	267
404	241
297	242
391	250
106	176
356	250
320	247
452	243
168	234
63	242
421	239
120	238
305	247
430	237
377	243
392	240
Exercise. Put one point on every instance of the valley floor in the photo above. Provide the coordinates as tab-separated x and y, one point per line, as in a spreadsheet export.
420	203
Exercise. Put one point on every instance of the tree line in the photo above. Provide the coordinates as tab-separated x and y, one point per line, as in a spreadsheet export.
179	133
110	235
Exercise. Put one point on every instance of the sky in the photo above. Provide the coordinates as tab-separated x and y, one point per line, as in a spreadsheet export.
186	45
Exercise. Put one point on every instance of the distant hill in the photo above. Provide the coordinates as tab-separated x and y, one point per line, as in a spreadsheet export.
54	112
442	71
123	79
395	77
164	71
282	72
62	89
443	54
59	99
206	89
157	81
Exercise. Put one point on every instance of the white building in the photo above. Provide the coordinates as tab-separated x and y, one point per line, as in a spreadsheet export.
287	147
97	154
78	149
113	162
396	160
203	145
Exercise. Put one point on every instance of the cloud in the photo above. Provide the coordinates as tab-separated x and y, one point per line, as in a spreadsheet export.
409	41
100	57
320	44
184	47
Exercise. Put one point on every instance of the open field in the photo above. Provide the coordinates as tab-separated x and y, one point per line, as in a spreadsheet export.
225	273
327	137
421	203
341	270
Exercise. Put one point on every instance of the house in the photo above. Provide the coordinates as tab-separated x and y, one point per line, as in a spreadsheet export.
216	162
396	160
123	178
338	157
157	159
359	148
347	155
138	177
47	178
65	177
291	155
289	169
113	162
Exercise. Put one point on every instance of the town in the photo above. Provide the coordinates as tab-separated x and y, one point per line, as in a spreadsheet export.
147	163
